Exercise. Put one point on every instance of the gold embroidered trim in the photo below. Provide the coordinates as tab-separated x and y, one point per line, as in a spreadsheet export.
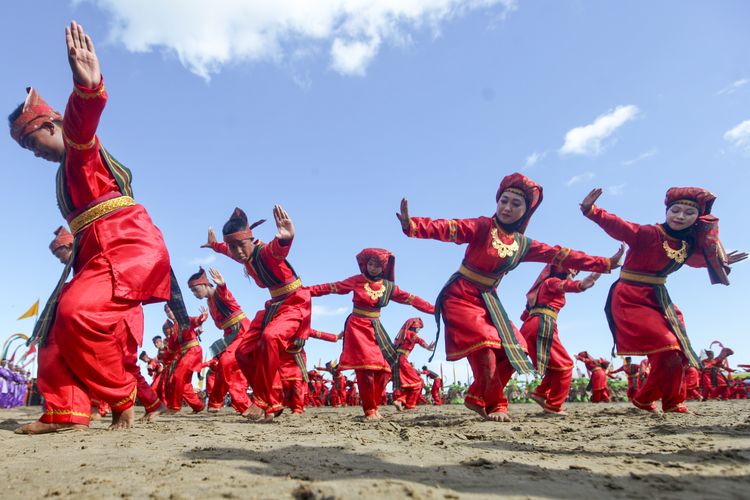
232	321
98	211
409	299
288	288
190	344
88	95
365	313
678	256
649	279
374	294
78	146
476	277
452	356
503	249
67	412
452	230
543	311
412	228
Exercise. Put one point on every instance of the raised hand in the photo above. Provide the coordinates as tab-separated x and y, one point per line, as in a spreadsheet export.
403	215
735	257
589	280
204	315
216	276
615	259
283	223
340	336
81	56
431	347
211	238
590	199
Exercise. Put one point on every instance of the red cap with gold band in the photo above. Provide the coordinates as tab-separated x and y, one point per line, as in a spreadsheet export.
202	279
63	238
411	324
34	113
530	190
706	229
383	256
246	232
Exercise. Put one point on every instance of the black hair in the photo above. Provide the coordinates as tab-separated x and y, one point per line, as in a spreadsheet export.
15	114
156	337
196	275
234	225
424	367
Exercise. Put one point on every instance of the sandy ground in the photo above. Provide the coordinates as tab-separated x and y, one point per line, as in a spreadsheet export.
606	450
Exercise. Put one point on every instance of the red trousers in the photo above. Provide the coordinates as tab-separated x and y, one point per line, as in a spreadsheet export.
665	382
555	387
148	397
436	391
83	354
632	387
294	394
409	396
258	355
371	385
182	381
491	370
232	379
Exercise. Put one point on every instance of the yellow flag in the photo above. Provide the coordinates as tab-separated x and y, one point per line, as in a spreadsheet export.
33	311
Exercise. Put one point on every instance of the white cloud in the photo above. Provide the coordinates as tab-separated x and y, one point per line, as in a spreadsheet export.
641	157
203	261
733	87
208	35
586	176
318	310
616	190
588	139
739	136
534	158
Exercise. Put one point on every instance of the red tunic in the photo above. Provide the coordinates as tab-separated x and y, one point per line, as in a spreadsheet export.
637	318
127	239
468	325
361	351
405	345
227	309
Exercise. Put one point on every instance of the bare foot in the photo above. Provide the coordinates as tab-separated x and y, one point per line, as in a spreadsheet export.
476	408
499	416
95	415
253	412
398	404
196	411
552	413
122	420
213	410
171	411
153	414
651	408
373	416
538	400
42	428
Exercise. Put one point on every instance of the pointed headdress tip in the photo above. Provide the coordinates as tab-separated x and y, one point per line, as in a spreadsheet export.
34	113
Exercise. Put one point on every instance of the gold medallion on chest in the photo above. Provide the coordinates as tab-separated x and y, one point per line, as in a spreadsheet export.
503	249
678	256
374	294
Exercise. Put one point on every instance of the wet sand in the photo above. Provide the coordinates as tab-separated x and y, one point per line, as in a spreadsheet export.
605	450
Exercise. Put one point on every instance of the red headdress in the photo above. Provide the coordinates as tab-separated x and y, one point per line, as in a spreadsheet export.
386	259
554	267
411	324
34	113
530	190
246	232
202	279
62	238
706	230
167	327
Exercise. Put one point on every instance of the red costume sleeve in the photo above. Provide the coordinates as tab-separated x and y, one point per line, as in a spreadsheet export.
614	226
328	337
566	286
403	297
81	120
277	249
339	287
542	252
452	230
225	295
421	342
220	247
696	259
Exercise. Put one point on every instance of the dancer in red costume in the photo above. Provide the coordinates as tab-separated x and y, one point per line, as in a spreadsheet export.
631	372
284	323
188	360
293	371
553	363
642	317
436	390
407	396
367	348
715	383
597	369
228	317
119	256
692	384
476	325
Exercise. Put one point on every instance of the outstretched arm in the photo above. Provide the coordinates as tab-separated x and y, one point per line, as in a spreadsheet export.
451	230
419	303
337	288
614	226
87	101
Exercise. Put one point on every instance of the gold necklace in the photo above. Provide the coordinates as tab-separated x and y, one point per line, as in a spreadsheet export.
503	249
374	294
678	256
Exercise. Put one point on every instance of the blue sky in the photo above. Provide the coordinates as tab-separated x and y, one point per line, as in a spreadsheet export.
337	111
